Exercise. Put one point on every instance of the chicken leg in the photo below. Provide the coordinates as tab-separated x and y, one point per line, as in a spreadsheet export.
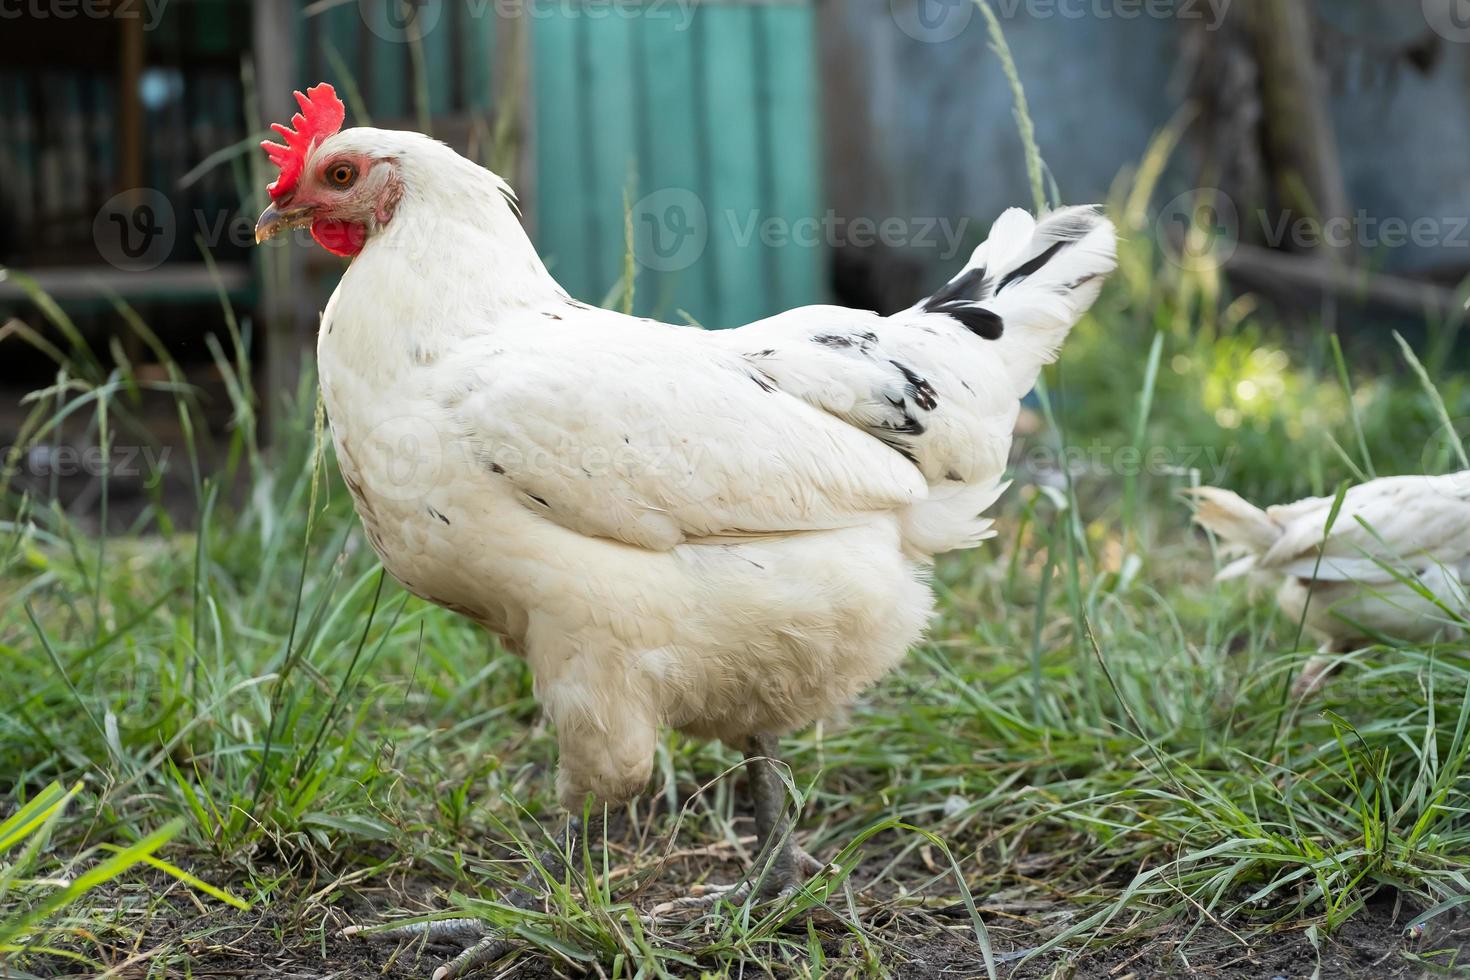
782	866
779	870
483	944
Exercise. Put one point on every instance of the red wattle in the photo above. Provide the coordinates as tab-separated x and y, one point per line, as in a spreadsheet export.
339	237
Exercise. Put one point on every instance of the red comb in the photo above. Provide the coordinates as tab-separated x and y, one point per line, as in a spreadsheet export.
321	115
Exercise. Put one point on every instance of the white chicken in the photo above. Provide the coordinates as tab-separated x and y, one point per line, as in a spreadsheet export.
727	533
1393	540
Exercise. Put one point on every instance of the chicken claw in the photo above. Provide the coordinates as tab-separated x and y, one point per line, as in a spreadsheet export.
772	879
485	946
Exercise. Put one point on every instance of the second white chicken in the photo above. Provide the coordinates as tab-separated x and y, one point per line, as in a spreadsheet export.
1395	542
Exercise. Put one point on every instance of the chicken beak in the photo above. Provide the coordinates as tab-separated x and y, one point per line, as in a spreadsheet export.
274	220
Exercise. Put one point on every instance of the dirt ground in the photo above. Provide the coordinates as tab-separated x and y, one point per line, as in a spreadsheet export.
182	937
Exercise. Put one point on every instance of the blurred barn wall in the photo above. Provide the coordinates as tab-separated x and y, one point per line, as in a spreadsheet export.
919	120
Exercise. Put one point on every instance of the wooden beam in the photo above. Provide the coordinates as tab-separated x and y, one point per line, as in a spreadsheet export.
1264	268
170	280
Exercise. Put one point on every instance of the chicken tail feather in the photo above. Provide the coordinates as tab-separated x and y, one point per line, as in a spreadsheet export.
1029	282
1240	524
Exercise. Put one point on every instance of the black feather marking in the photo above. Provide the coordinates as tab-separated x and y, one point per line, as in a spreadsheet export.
764	382
863	342
907	424
435	514
968	287
539	500
981	322
919	388
552	316
833	340
958	299
1022	271
497	469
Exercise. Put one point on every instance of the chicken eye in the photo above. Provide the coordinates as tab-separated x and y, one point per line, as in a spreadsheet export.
341	175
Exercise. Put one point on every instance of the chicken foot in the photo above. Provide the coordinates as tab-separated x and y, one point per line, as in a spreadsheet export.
483	944
772	876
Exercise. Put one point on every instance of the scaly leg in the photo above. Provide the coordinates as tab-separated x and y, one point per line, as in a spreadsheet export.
772	826
775	877
485	946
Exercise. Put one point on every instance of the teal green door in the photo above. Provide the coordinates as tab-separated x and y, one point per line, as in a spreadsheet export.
703	118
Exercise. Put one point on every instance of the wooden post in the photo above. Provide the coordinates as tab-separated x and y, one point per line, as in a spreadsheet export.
130	106
1301	145
285	300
